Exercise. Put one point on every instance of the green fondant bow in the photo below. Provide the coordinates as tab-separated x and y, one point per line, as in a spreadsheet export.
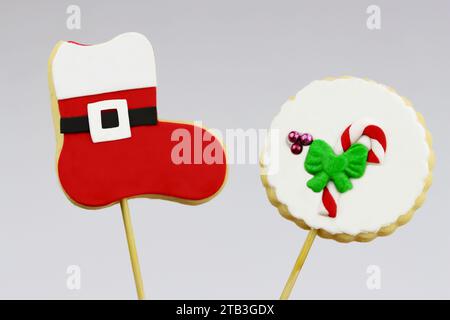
325	165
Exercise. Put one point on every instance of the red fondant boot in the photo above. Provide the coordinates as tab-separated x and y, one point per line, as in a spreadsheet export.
110	143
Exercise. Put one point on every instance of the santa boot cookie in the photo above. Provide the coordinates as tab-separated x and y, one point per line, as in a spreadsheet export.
110	143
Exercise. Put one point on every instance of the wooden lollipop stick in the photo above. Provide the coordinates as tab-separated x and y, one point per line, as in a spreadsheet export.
132	248
298	265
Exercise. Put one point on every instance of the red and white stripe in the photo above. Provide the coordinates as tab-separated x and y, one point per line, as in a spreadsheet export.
362	131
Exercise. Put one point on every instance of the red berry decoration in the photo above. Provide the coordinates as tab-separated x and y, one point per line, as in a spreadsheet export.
306	139
299	140
296	148
294	136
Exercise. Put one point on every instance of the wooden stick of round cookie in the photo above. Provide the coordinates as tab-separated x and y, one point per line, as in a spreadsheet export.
348	192
298	265
110	144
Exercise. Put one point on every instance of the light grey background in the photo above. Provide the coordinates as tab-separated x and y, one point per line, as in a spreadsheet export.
231	64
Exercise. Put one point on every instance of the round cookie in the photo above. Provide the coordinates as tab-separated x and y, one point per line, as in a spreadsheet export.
342	115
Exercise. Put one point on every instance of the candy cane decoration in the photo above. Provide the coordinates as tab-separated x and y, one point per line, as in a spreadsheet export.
362	131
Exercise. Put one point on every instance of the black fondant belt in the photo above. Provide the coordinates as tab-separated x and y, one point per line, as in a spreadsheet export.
137	117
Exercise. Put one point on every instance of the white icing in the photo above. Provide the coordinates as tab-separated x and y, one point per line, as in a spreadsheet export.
125	62
100	134
324	109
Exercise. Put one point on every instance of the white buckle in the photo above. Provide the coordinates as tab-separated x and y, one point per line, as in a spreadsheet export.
100	134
